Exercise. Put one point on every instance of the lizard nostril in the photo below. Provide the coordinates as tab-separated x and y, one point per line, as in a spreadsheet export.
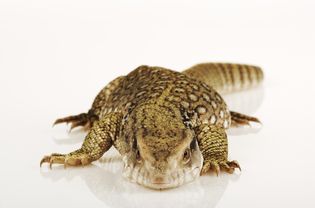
159	180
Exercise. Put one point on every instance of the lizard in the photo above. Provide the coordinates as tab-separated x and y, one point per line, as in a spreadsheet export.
168	126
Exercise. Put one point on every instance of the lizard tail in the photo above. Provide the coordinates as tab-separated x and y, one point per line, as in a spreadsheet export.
225	77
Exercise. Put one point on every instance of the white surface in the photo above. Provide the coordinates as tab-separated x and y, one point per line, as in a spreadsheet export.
56	55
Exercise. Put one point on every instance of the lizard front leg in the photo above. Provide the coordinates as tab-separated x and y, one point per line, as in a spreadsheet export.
213	144
97	142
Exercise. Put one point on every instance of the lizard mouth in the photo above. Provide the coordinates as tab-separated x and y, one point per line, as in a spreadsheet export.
139	174
176	179
175	173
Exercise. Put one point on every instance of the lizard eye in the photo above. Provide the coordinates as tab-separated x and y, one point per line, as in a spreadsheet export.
186	156
138	156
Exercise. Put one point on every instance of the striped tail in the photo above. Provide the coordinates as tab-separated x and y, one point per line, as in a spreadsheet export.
225	77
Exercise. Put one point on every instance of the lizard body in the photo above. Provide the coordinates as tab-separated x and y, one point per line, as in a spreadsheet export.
168	126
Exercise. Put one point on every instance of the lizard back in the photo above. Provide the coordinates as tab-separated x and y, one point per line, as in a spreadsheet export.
198	102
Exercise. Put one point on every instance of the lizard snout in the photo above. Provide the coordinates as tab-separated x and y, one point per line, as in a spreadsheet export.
160	180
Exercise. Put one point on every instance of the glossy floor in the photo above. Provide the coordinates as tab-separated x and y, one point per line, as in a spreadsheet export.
56	55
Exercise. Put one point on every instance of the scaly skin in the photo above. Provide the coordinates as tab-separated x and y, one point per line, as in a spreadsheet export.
164	123
96	143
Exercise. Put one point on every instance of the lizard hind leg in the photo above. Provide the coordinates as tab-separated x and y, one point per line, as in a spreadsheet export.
85	120
238	119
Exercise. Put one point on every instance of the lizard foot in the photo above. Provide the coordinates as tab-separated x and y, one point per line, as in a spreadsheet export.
72	159
218	166
239	119
84	119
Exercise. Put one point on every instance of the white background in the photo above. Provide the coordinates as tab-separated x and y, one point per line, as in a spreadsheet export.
56	55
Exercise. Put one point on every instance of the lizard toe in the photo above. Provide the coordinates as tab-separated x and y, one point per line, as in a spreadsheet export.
78	160
54	158
205	168
211	165
234	164
217	167
84	119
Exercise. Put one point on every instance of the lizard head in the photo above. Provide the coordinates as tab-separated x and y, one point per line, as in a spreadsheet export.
163	153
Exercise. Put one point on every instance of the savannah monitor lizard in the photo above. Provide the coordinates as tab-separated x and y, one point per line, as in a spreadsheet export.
169	127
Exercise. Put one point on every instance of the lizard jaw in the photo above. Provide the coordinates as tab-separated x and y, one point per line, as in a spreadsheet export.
177	179
138	173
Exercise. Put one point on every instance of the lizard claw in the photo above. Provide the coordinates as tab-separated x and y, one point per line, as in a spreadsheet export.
44	160
234	164
230	166
75	124
217	167
73	159
205	167
53	158
211	165
83	119
239	119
